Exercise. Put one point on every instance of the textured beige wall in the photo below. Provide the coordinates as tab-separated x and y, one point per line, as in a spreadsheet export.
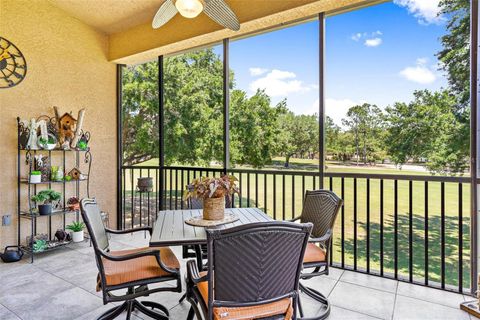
67	67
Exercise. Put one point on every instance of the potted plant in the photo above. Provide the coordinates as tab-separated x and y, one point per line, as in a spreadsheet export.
44	200
35	177
40	245
77	230
145	184
213	192
48	143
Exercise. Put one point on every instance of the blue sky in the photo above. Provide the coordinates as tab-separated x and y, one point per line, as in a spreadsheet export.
379	54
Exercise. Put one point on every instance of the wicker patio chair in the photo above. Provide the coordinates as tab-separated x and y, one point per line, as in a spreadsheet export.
253	272
321	209
132	270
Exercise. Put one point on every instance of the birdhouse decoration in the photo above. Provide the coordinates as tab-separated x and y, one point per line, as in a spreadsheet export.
76	174
66	129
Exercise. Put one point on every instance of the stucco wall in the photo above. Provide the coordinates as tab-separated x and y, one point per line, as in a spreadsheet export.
68	68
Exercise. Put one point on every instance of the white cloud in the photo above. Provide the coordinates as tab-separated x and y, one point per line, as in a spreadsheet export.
254	72
372	39
279	83
335	108
357	36
426	11
419	73
375	42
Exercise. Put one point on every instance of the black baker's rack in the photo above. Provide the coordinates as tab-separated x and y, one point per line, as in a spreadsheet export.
30	213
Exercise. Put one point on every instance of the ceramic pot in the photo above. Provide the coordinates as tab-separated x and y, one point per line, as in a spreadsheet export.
45	209
145	184
77	236
35	178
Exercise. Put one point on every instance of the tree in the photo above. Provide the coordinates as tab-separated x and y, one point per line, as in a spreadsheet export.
426	128
299	135
332	133
455	54
365	122
286	140
140	113
194	114
193	108
253	128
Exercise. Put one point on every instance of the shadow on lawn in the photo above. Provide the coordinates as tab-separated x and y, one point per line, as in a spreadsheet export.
418	243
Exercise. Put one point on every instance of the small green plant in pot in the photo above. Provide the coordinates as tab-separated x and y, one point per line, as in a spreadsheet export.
40	245
44	200
77	230
35	177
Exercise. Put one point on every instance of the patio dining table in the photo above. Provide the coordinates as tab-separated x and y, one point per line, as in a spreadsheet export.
170	228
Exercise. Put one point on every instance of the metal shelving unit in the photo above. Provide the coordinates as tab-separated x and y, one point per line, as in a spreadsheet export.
26	189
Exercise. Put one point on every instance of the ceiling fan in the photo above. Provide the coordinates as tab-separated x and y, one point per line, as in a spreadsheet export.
217	10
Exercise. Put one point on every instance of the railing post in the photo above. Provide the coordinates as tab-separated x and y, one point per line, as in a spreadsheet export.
226	106
161	119
321	98
119	147
474	156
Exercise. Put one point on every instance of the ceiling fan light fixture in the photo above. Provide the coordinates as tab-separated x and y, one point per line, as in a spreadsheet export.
189	8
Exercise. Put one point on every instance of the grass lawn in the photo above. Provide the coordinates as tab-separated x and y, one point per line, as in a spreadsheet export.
288	192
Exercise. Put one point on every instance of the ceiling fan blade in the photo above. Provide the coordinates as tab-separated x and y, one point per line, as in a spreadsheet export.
221	13
166	12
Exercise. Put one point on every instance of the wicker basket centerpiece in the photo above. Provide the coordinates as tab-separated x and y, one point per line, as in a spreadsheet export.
213	192
214	208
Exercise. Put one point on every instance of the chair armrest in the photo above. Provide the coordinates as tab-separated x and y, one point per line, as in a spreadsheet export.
193	274
130	256
136	255
149	229
323	238
295	219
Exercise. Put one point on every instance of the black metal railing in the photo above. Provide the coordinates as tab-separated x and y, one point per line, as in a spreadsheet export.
406	227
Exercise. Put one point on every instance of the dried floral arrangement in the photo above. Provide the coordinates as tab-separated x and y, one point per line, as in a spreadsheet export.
205	187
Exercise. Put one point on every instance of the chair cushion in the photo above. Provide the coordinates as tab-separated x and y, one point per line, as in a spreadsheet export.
314	253
120	272
281	307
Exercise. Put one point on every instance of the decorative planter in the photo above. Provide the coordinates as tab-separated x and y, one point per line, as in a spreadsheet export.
214	208
77	236
50	144
45	209
145	184
35	178
74	207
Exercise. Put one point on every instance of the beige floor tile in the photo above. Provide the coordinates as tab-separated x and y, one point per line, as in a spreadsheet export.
370	281
411	309
363	300
430	294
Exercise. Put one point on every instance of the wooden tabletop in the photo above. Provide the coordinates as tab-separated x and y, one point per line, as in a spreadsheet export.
170	228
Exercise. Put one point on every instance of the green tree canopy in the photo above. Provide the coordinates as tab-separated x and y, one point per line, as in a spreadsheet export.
140	113
426	128
193	108
299	135
253	128
455	54
365	123
194	114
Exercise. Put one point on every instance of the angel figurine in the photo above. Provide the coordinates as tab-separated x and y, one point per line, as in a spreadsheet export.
32	138
32	143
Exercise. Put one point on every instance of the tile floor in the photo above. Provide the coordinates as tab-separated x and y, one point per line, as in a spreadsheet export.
61	285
